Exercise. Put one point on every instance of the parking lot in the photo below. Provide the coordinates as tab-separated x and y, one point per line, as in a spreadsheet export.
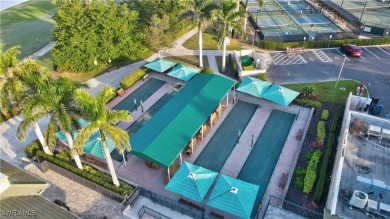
372	68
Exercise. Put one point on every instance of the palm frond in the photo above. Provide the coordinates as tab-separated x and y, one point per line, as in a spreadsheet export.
84	134
50	134
63	118
120	137
26	124
115	116
106	94
86	102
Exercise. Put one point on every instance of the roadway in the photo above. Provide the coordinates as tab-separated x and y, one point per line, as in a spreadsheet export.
372	68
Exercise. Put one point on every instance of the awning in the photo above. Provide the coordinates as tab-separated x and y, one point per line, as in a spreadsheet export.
182	72
160	64
94	144
270	91
192	181
233	196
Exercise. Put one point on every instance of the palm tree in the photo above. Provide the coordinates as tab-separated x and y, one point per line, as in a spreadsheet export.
261	4
226	18
199	11
102	120
54	99
16	83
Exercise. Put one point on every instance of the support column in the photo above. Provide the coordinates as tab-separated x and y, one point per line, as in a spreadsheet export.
192	145
227	100
123	155
169	175
211	121
181	160
202	132
219	109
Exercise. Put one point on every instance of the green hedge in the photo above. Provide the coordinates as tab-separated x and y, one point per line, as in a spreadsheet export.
321	131
207	70
263	77
325	115
322	44
32	148
133	77
307	102
89	173
311	172
328	152
233	63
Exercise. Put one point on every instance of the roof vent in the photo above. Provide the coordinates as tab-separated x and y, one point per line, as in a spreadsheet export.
359	199
234	190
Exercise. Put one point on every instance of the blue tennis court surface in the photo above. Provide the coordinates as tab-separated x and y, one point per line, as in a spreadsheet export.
220	146
270	23
261	162
308	20
294	7
142	93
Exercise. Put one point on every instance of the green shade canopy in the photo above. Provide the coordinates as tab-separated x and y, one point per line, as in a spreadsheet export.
160	64
94	144
233	196
192	181
171	129
182	72
270	91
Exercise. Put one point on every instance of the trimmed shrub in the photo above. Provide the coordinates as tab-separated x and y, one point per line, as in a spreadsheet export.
298	183
306	102
321	132
300	172
308	155
64	155
325	115
207	70
32	148
329	147
133	77
311	174
263	77
308	92
89	173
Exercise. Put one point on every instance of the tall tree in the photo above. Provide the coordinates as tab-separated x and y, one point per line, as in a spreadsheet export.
226	17
103	121
261	4
91	33
199	11
55	100
157	34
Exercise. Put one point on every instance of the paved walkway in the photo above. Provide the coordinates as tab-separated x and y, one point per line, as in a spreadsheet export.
5	4
44	50
81	200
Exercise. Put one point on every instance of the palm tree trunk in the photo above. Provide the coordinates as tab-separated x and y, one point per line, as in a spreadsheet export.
110	164
200	47
224	55
41	139
75	156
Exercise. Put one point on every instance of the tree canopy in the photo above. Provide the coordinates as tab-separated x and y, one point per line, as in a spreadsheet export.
91	33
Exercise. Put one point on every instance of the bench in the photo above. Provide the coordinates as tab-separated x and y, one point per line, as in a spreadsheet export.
172	170
113	68
145	77
196	143
299	135
152	165
93	160
283	180
188	203
215	215
120	92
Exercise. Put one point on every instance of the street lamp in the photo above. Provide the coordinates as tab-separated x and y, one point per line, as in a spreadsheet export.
338	78
364	8
330	37
109	61
304	39
254	35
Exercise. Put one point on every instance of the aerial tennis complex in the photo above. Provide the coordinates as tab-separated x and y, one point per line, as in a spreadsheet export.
200	140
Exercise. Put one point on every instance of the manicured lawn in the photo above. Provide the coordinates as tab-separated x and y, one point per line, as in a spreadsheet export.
229	71
192	61
210	43
326	91
29	25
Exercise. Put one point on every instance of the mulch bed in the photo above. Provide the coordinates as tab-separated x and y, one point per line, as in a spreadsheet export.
296	195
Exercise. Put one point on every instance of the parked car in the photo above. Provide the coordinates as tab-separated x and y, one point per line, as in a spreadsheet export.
351	50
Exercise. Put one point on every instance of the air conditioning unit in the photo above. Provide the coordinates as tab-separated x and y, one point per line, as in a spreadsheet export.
359	199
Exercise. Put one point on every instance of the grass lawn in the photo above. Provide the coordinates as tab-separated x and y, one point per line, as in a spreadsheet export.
192	61
28	25
210	43
326	91
229	71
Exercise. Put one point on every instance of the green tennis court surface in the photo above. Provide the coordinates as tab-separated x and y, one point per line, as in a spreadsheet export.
261	162
142	93
220	146
146	116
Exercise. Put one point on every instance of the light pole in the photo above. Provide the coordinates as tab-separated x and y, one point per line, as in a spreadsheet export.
142	108
330	37
254	35
341	69
364	8
109	61
304	39
135	104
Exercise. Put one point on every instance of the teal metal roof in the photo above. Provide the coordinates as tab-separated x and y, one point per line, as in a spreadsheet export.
270	91
164	137
233	196
160	64
192	181
94	144
182	72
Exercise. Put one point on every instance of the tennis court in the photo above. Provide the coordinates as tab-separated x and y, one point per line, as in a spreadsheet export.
218	149
261	162
142	93
146	116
